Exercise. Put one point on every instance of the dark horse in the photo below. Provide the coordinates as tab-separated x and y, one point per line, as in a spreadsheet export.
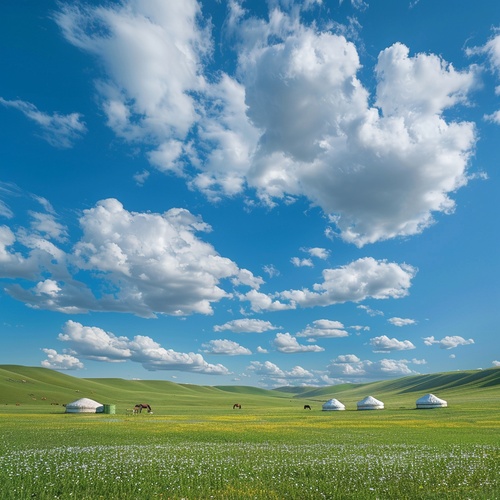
138	408
307	407
237	405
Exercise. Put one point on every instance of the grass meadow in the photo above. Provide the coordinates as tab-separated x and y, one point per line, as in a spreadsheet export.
200	448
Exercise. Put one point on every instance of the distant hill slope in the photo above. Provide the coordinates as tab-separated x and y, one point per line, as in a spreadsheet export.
40	386
450	381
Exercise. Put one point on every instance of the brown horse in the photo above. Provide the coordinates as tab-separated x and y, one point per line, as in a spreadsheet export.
307	407
237	405
138	408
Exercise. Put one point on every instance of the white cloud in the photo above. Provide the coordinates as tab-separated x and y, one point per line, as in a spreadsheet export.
379	171
493	117
419	361
152	52
324	328
261	302
58	130
385	344
261	350
246	325
319	253
297	262
370	311
147	263
94	343
270	374
271	270
226	347
47	225
448	342
284	342
354	282
496	363
352	368
56	361
401	321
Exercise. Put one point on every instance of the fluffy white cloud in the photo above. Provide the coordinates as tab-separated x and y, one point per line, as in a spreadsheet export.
148	263
319	253
357	281
324	328
284	342
272	375
297	262
352	368
226	347
385	344
378	170
56	361
401	321
152	52
246	325
58	130
91	342
448	342
94	343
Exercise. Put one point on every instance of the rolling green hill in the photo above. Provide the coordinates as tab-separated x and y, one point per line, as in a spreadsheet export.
36	387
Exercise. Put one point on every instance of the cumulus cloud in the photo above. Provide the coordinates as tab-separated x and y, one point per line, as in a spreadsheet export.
284	342
385	344
319	253
272	375
246	325
352	368
56	361
60	131
324	328
380	166
362	279
147	263
401	321
225	347
297	262
91	342
448	342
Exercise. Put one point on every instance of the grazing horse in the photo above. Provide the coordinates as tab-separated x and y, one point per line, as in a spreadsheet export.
138	408
237	405
307	407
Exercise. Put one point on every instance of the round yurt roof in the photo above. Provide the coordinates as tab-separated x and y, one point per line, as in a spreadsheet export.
84	405
431	401
332	405
370	403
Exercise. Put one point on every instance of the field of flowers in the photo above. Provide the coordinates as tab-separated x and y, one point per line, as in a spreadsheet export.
272	455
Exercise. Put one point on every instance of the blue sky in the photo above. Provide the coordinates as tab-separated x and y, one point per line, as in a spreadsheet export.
302	193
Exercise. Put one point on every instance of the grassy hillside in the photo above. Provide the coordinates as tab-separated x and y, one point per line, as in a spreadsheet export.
43	388
33	386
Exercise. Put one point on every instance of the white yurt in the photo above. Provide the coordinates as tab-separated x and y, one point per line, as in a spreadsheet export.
431	401
333	405
370	403
84	405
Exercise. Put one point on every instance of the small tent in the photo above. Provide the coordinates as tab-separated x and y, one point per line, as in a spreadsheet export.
333	405
431	401
370	403
84	405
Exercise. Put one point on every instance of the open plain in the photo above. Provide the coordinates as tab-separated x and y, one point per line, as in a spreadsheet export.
194	445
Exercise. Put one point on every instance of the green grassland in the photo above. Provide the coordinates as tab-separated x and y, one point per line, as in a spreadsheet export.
195	446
